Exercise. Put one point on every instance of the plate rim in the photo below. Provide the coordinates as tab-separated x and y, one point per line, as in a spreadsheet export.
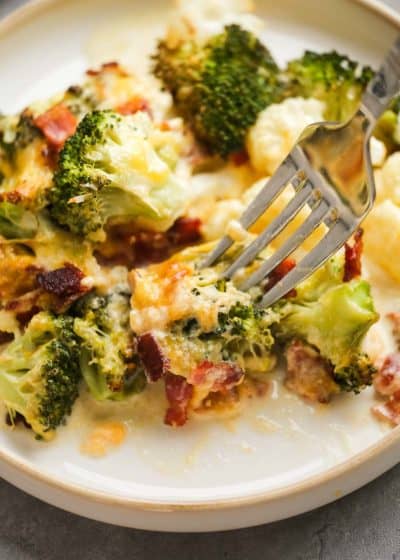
19	17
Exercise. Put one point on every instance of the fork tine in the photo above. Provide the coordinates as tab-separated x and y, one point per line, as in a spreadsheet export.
313	221
332	241
272	230
285	173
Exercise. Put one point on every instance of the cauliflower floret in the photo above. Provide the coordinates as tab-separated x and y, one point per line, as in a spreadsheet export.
277	129
389	183
382	237
378	152
208	18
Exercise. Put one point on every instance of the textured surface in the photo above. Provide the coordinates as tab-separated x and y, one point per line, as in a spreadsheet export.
362	526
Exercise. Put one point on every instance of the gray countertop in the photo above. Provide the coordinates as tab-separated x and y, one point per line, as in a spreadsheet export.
362	526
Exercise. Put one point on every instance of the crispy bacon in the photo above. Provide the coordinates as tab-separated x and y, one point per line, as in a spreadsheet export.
107	66
280	272
62	282
308	374
155	363
179	394
133	106
240	158
387	380
217	377
352	254
387	385
133	249
57	124
13	197
6	337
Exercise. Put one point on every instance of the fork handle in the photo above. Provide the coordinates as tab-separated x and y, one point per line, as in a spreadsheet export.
384	85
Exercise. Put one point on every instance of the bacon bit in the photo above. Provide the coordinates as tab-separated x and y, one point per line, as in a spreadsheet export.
179	394
220	376
389	411
134	105
6	337
107	66
184	231
24	317
240	158
57	124
280	272
387	380
13	197
352	263
155	363
308	374
62	282
395	320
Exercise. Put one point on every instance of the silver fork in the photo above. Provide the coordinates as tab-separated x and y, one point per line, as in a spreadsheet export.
331	172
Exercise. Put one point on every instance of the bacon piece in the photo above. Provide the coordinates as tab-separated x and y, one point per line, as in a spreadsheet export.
62	282
308	374
185	230
133	106
219	376
280	272
352	255
107	66
6	337
13	197
240	158
387	384
179	394
155	363
57	124
387	380
390	410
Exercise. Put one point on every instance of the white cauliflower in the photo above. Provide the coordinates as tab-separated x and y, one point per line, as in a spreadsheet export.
378	152
277	129
203	19
382	237
389	184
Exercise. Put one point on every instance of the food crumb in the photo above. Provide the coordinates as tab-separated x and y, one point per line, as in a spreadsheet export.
103	439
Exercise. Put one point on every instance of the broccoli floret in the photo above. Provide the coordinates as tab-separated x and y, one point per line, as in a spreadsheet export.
356	375
333	317
108	362
16	222
330	77
109	169
40	375
219	87
388	127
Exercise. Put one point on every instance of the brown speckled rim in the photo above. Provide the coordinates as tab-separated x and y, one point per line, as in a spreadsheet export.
386	444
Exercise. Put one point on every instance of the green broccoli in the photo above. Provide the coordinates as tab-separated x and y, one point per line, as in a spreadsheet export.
108	362
388	127
40	375
16	222
330	77
333	317
108	170
220	87
242	336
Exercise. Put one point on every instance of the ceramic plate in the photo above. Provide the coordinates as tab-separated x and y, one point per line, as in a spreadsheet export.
281	456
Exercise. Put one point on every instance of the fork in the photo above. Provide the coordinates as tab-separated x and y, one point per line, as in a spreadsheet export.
331	173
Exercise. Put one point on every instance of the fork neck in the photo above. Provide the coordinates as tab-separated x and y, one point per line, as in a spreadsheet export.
383	86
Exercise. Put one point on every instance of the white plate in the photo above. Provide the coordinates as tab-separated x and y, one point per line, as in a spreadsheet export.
282	456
